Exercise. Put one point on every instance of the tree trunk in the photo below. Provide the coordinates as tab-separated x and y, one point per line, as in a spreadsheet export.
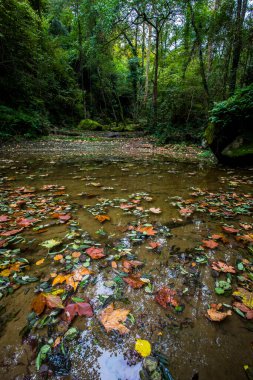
147	65
240	16
155	85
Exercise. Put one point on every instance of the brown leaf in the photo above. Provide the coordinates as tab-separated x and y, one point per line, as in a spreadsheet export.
209	244
39	304
230	230
112	319
129	265
134	281
154	244
186	211
166	296
220	266
215	315
95	253
146	230
12	232
102	218
81	308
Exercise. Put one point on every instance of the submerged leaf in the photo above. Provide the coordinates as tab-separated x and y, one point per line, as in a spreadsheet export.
112	319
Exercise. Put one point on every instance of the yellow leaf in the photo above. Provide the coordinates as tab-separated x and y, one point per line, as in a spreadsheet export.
143	347
5	273
58	257
39	262
246	296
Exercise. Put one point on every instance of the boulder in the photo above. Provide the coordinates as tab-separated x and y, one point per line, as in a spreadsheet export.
90	125
230	131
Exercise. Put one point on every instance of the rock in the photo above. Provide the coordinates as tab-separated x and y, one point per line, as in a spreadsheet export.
229	133
150	364
90	125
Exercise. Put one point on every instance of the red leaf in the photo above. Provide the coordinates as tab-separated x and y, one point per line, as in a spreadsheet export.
12	232
95	253
25	222
230	230
134	281
220	266
81	308
209	244
4	218
166	296
154	244
186	211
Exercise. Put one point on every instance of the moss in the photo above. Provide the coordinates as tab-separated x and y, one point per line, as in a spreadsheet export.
90	125
241	151
209	133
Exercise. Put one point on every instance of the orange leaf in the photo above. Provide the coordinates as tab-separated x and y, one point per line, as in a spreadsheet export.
146	230
58	257
154	244
39	304
209	244
39	262
102	218
220	266
166	296
76	254
129	265
114	264
230	230
112	319
95	253
215	315
134	281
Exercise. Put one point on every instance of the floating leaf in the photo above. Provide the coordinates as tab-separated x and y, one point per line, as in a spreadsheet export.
209	244
143	347
134	281
45	299
102	218
51	243
81	308
95	253
146	230
230	230
39	262
112	319
166	296
246	296
155	210
12	232
215	314
220	266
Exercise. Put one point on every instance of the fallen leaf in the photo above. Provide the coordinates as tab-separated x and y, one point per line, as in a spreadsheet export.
186	211
244	226
4	218
134	281
220	266
58	257
39	262
166	296
114	265
155	210
50	243
154	244
146	230
215	315
246	296
81	308
76	254
143	347
129	265
95	253
26	222
12	232
248	312
112	319
209	244
102	218
230	230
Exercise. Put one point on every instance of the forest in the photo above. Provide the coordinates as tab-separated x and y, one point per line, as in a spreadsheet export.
126	161
161	66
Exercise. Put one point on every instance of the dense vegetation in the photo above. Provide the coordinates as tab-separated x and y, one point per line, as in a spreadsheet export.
161	64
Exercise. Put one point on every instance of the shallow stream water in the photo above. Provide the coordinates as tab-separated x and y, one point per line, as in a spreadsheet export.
193	344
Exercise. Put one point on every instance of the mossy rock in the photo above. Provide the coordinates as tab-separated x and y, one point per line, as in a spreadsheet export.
229	133
90	125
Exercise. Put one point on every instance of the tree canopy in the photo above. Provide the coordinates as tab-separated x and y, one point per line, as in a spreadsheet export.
159	63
